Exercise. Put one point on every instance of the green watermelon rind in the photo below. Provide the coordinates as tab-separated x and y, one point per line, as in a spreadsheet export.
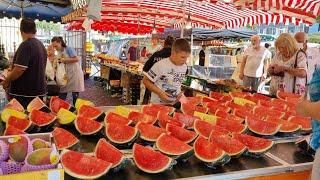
263	134
77	175
218	161
88	133
221	162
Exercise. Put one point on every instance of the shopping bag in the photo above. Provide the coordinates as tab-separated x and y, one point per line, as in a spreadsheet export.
49	70
61	75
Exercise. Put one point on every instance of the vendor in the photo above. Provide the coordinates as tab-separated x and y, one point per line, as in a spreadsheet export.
202	56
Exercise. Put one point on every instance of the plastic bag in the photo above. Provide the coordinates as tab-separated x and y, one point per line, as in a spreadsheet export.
61	75
49	70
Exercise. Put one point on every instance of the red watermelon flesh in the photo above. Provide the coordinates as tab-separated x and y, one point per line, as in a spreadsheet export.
204	128
140	117
15	105
150	161
83	166
252	99
11	130
279	104
164	119
284	95
22	124
207	151
239	94
149	132
288	114
63	138
221	114
194	100
180	133
87	126
262	127
226	99
56	104
234	106
304	122
216	95
170	145
232	117
286	126
89	112
261	97
206	100
254	144
189	109
188	120
232	126
241	113
265	103
112	117
154	109
119	133
40	118
108	152
268	112
231	146
218	107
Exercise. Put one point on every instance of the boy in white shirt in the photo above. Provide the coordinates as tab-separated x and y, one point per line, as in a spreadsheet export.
165	77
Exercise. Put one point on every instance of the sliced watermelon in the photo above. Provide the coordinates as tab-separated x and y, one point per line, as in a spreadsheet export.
121	134
221	114
37	104
64	139
189	109
209	153
251	98
232	117
239	94
82	166
206	100
233	105
22	124
204	128
14	104
140	117
7	113
263	127
288	114
216	95
89	112
261	96
231	146
255	145
231	126
41	119
267	112
148	132
87	126
11	130
286	126
226	98
188	120
164	119
150	161
107	152
112	117
172	146
213	108
304	122
242	114
56	104
284	95
180	133
278	104
154	109
265	103
194	100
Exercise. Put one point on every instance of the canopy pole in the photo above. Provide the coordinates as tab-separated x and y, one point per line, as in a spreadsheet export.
191	55
21	10
183	18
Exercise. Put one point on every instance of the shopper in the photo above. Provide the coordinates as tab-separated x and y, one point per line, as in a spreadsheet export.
202	56
133	52
254	64
165	77
67	55
288	69
165	52
311	109
27	78
313	55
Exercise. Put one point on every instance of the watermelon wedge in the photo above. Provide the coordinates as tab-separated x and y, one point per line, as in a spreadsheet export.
284	95
206	100
180	133
164	119
15	105
87	126
120	134
154	109
149	132
42	119
189	109
267	112
232	117
231	126
56	104
194	100
261	96
112	117
150	161
256	146
209	153
213	108
188	120
63	139
22	124
278	104
221	114
90	112
304	122
231	146
204	128
82	166
286	126
216	95
140	117
239	94
11	130
262	127
37	104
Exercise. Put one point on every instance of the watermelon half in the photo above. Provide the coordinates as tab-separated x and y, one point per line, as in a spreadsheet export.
149	132
120	134
182	134
304	122
112	117
149	160
262	127
154	109
11	130
91	112
286	126
14	104
204	128
186	119
22	124
284	95
109	153
42	119
83	166
63	138
216	95
164	119
56	104
256	146
189	109
37	104
140	117
209	153
173	147
268	112
87	126
231	146
231	126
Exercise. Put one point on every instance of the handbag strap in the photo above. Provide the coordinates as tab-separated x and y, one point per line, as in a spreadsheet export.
295	66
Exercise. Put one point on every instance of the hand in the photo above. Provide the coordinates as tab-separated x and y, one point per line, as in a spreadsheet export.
277	69
165	97
301	107
241	75
62	60
5	85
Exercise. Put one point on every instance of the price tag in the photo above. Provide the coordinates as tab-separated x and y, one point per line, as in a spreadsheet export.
54	175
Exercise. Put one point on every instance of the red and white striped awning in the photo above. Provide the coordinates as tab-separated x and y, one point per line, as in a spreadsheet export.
208	13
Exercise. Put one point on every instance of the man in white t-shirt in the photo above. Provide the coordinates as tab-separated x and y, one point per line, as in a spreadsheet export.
313	55
165	77
254	64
